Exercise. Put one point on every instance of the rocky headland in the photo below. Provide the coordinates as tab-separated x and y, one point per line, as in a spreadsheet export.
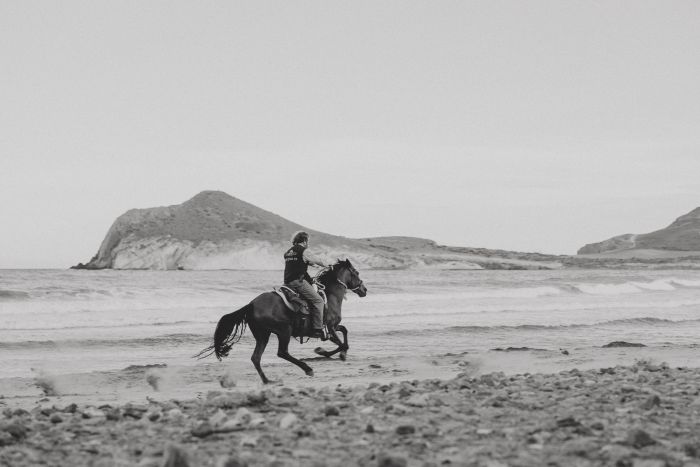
644	415
216	231
678	240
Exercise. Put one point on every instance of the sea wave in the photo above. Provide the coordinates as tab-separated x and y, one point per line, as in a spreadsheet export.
7	295
472	329
109	326
164	340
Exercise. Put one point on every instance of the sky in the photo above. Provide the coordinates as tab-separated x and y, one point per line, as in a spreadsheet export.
529	126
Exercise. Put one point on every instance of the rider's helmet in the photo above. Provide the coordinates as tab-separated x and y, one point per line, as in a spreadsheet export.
300	237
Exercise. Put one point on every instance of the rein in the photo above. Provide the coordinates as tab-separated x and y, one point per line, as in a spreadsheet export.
346	285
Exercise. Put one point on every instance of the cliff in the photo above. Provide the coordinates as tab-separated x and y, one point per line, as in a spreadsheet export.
683	235
216	231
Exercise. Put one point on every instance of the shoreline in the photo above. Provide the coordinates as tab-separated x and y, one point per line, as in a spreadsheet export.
643	414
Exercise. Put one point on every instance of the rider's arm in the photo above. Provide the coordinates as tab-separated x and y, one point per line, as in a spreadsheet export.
313	259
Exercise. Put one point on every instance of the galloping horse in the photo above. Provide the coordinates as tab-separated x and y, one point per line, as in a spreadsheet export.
267	314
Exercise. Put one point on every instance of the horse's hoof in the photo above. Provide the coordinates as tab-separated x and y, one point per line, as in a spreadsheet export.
310	373
320	351
342	356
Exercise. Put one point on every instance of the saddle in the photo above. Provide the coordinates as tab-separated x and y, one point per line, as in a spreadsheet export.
292	300
301	324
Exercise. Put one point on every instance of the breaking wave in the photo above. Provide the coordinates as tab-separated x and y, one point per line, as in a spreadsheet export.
159	341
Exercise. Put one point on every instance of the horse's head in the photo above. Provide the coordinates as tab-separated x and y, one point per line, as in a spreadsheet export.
347	275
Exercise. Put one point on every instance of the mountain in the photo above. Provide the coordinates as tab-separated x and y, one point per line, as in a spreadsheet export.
683	235
214	230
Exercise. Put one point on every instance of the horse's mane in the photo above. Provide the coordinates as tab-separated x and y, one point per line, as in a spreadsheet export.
329	273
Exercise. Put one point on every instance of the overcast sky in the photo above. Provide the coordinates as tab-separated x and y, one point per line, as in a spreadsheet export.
522	125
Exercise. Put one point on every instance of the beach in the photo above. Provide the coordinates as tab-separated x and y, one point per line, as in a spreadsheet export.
640	415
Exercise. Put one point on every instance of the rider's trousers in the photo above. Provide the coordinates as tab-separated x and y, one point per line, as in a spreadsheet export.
308	293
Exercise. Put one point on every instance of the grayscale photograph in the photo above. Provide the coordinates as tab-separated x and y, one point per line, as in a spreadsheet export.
313	233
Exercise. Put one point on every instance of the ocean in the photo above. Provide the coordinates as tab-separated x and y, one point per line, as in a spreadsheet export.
71	324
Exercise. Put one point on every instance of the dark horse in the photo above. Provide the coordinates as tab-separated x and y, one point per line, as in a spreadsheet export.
267	314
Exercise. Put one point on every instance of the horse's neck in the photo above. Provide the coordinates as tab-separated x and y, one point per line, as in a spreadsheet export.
335	294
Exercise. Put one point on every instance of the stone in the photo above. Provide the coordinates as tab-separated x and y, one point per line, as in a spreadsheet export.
175	456
174	414
226	381
405	429
249	441
389	460
288	420
417	400
231	462
6	438
651	402
218	418
649	463
92	412
256	398
228	400
567	422
369	428
202	430
243	416
623	344
134	411
331	411
639	439
55	418
18	432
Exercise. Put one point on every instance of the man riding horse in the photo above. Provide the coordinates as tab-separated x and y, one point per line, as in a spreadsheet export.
296	277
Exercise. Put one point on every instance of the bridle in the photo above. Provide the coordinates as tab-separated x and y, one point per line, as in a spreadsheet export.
346	286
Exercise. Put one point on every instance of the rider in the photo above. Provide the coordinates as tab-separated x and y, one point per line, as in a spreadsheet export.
296	277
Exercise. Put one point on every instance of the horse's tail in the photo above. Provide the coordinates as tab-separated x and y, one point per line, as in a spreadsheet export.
229	330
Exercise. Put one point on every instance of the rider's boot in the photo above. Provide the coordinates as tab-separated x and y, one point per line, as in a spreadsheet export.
320	333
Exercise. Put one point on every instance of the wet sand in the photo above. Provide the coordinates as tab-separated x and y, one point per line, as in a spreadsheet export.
644	415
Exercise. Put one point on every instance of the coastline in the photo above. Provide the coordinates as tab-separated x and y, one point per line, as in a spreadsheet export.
639	415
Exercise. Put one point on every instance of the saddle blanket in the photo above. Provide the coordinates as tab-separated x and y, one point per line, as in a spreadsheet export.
293	301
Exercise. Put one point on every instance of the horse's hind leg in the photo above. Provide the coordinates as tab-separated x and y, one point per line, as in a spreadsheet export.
283	338
261	339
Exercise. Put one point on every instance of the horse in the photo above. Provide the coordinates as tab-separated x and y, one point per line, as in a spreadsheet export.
267	314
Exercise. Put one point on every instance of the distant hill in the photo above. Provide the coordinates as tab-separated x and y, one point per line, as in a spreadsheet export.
214	230
681	237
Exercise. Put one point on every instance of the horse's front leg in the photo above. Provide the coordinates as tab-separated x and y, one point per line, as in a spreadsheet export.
346	346
342	347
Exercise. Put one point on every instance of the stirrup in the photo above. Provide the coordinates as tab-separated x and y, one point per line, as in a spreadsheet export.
320	333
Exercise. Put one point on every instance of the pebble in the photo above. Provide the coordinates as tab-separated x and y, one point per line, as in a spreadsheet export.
639	438
175	456
388	460
331	411
651	402
231	462
405	429
55	418
249	441
288	420
92	412
227	381
202	430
